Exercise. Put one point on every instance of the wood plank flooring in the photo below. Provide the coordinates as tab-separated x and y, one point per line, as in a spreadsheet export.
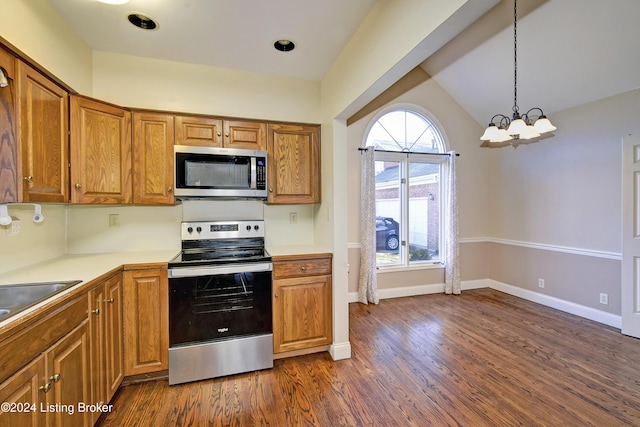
484	358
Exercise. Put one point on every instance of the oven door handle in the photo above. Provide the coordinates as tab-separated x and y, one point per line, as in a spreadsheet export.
213	271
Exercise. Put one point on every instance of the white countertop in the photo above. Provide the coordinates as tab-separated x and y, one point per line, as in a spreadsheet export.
84	267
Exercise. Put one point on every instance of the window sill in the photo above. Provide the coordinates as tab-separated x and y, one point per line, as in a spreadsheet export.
399	268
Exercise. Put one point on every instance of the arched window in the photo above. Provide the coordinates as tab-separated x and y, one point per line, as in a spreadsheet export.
409	187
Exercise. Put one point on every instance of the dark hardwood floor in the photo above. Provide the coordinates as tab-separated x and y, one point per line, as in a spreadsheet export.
484	358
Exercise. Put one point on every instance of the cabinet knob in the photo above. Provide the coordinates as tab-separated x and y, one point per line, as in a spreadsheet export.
219	133
110	300
270	190
45	387
226	134
78	185
170	189
29	179
96	311
55	378
277	295
303	268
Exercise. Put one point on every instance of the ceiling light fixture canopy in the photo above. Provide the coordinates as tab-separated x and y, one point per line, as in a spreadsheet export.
529	125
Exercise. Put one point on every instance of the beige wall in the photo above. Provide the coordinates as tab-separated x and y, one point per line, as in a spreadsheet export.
34	27
165	85
35	242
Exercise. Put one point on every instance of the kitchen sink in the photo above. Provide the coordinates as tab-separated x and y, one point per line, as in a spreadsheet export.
15	298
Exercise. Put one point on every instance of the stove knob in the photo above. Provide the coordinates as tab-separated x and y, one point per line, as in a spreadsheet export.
199	229
256	227
190	230
248	228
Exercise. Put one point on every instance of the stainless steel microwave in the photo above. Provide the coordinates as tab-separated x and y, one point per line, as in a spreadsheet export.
211	172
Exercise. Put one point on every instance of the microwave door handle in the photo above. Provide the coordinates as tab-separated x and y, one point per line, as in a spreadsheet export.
253	173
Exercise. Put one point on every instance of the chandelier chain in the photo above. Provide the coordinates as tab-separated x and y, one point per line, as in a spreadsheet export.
515	56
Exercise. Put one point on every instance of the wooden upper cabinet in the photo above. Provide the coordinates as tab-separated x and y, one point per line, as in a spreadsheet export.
100	152
245	134
8	142
198	130
153	136
294	163
216	132
43	135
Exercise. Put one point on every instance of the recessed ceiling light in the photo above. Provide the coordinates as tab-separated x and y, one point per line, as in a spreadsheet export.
142	21
284	45
114	1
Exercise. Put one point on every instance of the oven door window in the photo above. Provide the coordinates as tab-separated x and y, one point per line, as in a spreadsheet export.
221	306
213	172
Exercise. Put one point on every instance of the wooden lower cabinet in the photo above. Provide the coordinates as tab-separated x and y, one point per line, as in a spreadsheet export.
146	321
51	388
302	302
22	391
107	342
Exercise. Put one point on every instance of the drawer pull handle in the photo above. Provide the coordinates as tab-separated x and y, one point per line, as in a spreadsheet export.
110	300
45	387
55	378
96	311
303	268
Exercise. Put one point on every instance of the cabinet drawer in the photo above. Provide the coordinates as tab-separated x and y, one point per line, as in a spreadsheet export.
302	267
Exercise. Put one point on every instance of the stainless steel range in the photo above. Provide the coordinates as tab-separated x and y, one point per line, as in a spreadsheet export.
220	301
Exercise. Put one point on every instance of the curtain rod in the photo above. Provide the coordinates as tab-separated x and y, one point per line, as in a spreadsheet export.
406	152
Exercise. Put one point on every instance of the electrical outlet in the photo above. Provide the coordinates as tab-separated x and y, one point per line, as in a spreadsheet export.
541	283
14	228
604	299
293	217
114	220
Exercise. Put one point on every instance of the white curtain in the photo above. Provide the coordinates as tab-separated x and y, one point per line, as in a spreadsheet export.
368	278
452	264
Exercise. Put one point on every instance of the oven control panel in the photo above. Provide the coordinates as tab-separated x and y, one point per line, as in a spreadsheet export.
206	230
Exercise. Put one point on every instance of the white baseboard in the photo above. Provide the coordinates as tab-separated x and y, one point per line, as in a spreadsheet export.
549	301
559	304
340	351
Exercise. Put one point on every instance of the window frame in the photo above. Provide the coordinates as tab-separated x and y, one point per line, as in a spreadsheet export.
404	159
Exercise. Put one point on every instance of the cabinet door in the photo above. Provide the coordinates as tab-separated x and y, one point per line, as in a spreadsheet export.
294	164
8	142
23	390
100	152
245	134
194	130
69	374
114	339
97	349
106	340
153	136
301	313
43	134
146	321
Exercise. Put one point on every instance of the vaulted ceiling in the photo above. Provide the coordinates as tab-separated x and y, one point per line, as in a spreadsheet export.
569	51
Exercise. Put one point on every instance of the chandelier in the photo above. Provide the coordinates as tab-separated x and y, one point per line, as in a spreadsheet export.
529	125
